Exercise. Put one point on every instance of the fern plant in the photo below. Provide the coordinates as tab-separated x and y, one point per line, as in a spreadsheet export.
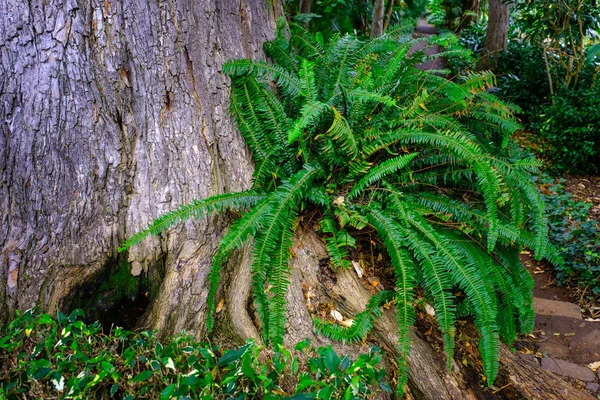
353	129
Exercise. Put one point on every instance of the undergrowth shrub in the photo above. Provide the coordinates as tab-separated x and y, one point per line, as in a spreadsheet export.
522	78
575	234
571	124
44	357
351	132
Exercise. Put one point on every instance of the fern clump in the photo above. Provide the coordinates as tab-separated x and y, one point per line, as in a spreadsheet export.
353	129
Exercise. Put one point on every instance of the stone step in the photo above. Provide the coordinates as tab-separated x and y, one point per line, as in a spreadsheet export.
556	308
567	338
565	368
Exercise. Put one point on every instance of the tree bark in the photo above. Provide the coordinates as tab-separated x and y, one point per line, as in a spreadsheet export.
305	6
112	113
389	8
496	34
377	20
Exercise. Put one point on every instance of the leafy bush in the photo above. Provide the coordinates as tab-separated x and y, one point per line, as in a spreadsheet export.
572	126
47	358
473	37
354	134
523	80
575	234
460	59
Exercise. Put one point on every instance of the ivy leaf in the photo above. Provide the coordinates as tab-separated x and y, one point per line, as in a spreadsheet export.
332	361
142	376
231	356
167	392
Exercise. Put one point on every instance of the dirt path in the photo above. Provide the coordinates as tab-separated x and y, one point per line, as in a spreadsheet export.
424	29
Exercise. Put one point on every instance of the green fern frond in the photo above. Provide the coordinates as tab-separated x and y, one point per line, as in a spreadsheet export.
362	323
311	113
278	50
249	122
304	42
335	249
405	285
197	209
236	235
487	178
342	134
468	278
307	77
266	72
277	277
384	169
436	280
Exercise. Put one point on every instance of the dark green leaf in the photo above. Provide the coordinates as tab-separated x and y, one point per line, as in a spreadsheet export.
142	376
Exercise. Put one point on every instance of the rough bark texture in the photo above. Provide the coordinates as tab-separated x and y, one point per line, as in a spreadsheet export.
305	6
377	21
532	382
112	113
496	34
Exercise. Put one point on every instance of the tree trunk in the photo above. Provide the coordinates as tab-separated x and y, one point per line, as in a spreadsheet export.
112	113
496	34
115	112
389	8
470	12
305	6
377	21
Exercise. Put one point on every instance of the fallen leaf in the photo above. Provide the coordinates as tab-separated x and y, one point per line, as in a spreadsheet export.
594	366
220	306
429	310
339	201
347	323
337	315
359	271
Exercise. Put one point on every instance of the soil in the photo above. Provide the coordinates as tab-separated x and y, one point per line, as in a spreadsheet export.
586	189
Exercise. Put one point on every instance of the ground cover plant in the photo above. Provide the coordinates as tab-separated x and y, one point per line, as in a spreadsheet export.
576	236
353	133
46	357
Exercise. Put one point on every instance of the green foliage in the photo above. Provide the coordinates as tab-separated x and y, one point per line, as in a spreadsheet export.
562	29
122	282
571	125
523	81
329	17
575	234
43	357
459	57
354	134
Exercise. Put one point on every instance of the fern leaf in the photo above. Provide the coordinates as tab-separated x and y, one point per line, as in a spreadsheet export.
342	134
382	170
311	113
236	235
362	323
277	276
335	249
197	208
467	277
436	280
265	71
405	284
